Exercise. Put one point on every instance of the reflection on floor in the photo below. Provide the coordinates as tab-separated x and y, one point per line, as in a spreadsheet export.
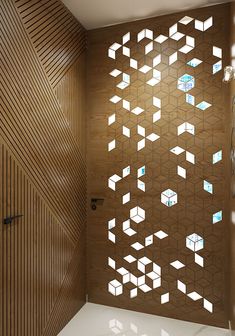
98	320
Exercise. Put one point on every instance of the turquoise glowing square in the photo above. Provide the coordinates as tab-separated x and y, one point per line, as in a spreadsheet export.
208	186
217	217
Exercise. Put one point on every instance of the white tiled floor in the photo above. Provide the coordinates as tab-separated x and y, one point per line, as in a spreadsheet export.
98	320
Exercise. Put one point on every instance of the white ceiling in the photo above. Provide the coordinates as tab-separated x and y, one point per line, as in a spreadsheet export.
99	13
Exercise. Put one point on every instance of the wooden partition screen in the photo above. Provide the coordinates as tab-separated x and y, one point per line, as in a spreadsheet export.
43	170
158	155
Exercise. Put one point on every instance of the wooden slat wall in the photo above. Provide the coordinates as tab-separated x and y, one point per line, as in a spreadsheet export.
57	36
43	170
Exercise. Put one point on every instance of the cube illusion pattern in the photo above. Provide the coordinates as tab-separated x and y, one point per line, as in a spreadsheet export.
149	70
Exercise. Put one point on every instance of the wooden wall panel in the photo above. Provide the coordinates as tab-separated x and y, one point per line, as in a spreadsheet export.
56	35
71	95
43	170
195	208
232	201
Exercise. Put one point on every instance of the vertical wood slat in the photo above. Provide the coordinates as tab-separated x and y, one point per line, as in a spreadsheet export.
43	171
23	289
58	54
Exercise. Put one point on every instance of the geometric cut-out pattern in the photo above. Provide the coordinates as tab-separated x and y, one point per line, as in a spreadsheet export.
179	158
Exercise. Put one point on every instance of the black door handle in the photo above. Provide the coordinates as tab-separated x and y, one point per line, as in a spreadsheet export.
8	220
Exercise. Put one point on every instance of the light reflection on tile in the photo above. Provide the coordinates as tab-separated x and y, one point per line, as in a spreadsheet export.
98	320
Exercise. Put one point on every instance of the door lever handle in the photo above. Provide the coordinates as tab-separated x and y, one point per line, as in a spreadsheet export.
8	220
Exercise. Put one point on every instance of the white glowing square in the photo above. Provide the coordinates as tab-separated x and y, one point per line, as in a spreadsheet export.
112	119
186	20
133	63
111	237
137	214
133	293
177	150
153	81
115	73
173	29
145	69
140	144
126	38
208	305
115	46
111	223
156	74
157	116
149	240
126	51
161	234
140	185
173	58
126	171
148	48
153	275
115	99
194	296
137	110
190	157
181	286
115	288
177	264
157	102
126	105
199	25
126	198
186	49
141	130
181	171
153	137
130	259
126	131
165	298
141	35
217	52
161	38
111	145
199	260
157	60
141	171
177	36
137	246
145	288
111	263
208	23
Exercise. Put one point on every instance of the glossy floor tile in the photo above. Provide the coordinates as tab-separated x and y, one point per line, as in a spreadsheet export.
98	320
